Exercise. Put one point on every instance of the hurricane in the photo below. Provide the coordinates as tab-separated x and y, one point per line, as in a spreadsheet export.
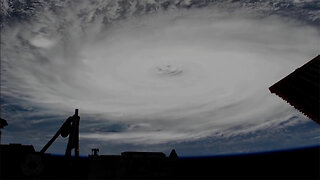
146	74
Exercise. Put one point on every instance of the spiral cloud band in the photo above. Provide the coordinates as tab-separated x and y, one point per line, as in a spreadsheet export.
194	76
171	76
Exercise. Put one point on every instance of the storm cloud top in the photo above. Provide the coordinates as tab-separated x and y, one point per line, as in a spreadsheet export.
156	72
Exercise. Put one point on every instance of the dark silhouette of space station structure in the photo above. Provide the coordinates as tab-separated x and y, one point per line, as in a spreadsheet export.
300	89
3	123
69	128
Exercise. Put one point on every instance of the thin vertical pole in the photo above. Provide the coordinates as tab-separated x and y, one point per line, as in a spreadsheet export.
73	141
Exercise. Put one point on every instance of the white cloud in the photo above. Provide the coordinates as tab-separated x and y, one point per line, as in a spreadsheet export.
42	42
227	63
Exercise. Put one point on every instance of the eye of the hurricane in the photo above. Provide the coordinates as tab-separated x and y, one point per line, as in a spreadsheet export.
168	70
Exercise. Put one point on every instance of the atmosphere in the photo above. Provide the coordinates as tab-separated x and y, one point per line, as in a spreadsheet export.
156	75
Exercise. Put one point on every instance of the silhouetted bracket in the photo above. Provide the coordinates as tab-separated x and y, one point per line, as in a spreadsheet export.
301	89
173	154
3	123
94	152
70	127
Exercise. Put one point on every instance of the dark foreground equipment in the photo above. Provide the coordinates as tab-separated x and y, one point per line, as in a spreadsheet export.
22	162
69	128
3	123
301	89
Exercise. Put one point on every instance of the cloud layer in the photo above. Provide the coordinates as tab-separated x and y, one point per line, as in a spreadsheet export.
167	77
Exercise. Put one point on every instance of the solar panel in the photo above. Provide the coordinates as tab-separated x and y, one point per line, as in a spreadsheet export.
301	89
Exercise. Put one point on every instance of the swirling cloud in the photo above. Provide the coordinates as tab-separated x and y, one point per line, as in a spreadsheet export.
167	77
